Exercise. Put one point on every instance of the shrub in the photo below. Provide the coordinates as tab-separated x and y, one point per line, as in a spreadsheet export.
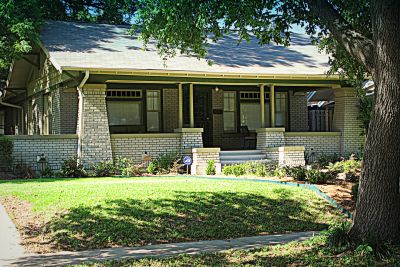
104	169
210	169
165	162
317	177
72	168
325	160
280	172
227	170
354	191
23	171
132	170
6	150
47	172
298	173
338	235
152	168
238	170
351	168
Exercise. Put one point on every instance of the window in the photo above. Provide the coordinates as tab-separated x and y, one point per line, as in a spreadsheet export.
281	109
230	112
1	122
124	113
250	115
153	111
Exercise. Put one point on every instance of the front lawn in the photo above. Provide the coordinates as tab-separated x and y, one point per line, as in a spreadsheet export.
77	214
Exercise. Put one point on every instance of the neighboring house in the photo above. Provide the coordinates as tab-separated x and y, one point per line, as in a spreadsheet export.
92	91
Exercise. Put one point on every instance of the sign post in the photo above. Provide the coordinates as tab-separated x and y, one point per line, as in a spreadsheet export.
187	161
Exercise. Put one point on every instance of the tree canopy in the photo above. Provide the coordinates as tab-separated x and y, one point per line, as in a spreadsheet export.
21	21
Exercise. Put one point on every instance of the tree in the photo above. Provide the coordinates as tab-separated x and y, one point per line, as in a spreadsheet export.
363	38
21	21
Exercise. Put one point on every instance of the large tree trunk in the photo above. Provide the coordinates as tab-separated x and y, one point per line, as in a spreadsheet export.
377	217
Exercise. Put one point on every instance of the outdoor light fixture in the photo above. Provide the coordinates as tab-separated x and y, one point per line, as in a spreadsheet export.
216	89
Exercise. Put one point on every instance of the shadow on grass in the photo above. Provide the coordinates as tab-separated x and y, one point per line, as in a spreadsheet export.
185	216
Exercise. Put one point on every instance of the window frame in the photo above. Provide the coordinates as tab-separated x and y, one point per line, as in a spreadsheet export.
235	111
160	110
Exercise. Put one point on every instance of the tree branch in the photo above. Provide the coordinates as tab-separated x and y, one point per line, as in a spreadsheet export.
359	46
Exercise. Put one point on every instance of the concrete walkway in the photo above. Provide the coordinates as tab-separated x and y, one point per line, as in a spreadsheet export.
157	251
10	247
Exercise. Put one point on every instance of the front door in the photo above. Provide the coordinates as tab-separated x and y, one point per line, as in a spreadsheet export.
203	114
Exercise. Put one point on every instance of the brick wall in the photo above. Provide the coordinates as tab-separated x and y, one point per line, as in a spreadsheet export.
95	134
69	111
322	144
298	112
170	110
57	148
270	137
346	120
200	158
134	146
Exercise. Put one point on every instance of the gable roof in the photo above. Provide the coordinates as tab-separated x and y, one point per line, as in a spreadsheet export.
72	45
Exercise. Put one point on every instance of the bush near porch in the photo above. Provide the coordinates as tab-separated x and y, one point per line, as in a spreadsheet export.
78	214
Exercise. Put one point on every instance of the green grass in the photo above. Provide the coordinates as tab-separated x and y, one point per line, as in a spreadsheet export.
105	212
313	252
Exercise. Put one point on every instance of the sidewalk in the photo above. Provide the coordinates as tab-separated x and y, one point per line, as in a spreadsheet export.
10	247
157	251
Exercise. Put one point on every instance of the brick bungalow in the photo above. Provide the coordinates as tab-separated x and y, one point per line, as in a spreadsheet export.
92	91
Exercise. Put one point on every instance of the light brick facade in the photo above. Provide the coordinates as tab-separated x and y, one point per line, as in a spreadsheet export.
200	158
170	112
346	120
270	137
321	143
56	148
287	155
133	146
95	141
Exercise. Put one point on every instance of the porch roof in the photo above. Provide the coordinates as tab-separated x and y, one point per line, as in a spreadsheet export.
79	46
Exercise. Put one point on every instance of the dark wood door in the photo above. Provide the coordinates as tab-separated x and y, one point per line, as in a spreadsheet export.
203	114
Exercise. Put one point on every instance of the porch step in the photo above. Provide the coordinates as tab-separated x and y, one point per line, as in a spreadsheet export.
241	156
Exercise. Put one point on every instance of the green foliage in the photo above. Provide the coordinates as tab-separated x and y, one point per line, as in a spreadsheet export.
23	171
104	169
132	170
47	172
227	170
354	191
238	170
351	168
166	162
317	176
210	169
6	151
298	173
338	235
152	168
280	172
72	168
325	160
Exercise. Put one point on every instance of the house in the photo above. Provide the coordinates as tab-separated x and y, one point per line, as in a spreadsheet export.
93	91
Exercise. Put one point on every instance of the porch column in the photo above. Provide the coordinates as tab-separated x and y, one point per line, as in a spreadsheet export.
262	105
180	106
272	104
191	105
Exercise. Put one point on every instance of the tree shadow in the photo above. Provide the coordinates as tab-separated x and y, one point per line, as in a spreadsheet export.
185	216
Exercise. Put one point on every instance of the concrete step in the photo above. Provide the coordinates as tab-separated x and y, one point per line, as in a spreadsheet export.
240	152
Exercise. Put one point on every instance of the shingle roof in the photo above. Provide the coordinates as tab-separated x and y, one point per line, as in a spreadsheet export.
85	45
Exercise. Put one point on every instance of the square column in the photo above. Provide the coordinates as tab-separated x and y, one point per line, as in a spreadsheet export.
272	104
94	133
270	137
346	120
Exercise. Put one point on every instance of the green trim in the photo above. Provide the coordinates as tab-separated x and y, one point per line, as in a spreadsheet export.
147	135
42	137
264	130
294	134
